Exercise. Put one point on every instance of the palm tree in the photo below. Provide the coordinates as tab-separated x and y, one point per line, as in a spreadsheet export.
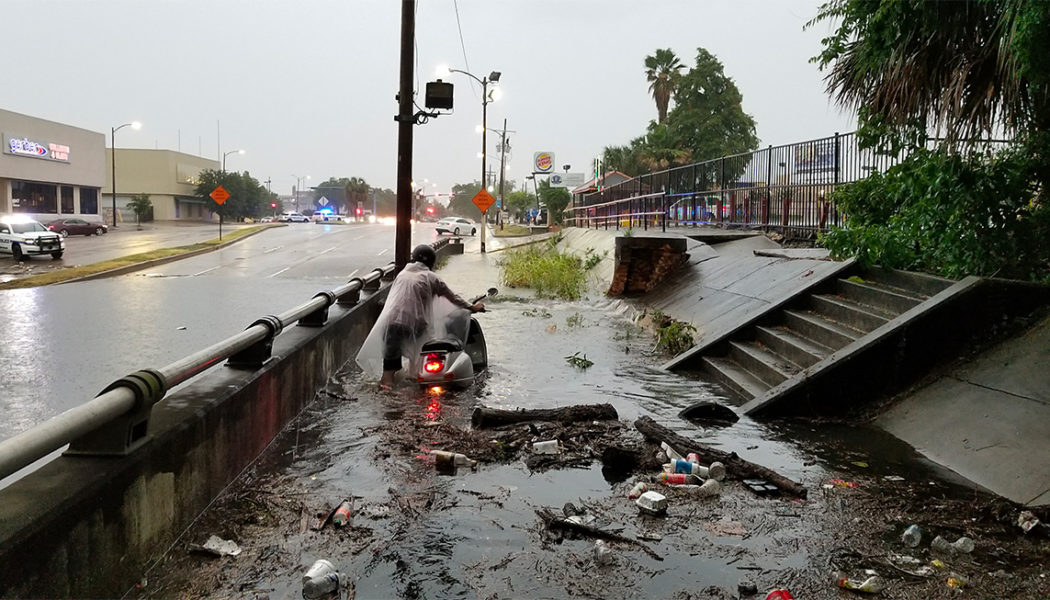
661	71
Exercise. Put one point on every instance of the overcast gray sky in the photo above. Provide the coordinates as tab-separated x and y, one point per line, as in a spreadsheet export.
307	86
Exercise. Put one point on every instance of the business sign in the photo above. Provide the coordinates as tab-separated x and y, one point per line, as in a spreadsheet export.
23	146
543	162
816	162
567	180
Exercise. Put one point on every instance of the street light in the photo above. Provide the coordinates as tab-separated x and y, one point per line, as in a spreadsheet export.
485	99
225	154
298	186
113	160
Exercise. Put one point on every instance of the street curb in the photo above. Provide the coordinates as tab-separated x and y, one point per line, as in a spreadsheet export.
167	259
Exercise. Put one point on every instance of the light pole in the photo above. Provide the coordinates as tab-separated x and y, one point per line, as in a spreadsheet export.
225	154
493	78
113	161
298	186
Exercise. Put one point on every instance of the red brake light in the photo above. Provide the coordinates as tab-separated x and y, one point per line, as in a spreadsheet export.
433	363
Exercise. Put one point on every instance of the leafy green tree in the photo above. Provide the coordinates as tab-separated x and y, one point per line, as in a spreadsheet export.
708	119
462	201
707	122
964	69
948	214
519	202
142	207
661	70
555	199
248	198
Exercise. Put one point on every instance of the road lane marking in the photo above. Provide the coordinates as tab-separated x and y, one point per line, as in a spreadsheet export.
207	270
279	272
274	249
383	251
354	272
326	251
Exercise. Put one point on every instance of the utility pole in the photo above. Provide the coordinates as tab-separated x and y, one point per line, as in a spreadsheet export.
405	120
502	171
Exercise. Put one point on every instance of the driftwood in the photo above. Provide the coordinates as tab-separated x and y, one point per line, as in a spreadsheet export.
555	522
735	466
493	417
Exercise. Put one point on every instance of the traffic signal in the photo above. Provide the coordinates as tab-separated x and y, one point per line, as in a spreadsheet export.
273	205
359	211
430	210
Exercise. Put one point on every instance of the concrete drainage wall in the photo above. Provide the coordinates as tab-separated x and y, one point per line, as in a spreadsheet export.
90	526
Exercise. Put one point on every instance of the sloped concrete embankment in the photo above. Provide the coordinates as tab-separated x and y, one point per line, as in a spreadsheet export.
89	526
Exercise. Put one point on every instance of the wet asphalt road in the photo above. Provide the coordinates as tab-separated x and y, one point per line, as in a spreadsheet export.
65	343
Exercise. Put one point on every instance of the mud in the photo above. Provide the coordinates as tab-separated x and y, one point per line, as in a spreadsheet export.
415	533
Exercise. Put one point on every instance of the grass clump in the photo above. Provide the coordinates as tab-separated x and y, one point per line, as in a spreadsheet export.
672	337
542	267
580	362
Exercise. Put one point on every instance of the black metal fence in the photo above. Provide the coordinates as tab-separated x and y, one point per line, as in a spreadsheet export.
778	188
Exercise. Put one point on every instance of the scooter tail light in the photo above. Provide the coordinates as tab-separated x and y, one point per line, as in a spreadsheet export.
433	362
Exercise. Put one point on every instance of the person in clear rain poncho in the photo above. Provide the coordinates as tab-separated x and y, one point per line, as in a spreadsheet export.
407	316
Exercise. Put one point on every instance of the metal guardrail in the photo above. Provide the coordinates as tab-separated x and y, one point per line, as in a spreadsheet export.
783	188
116	422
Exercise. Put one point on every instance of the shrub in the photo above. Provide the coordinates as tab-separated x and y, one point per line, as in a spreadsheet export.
553	274
948	214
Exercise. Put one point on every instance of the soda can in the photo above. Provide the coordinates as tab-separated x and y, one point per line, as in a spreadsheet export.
693	458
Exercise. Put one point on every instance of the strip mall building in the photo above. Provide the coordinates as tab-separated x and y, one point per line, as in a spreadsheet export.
50	170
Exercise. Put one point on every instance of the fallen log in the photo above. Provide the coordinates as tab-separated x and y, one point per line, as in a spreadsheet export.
735	466
493	417
555	522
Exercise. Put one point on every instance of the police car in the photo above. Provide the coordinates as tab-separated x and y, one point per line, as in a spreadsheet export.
23	237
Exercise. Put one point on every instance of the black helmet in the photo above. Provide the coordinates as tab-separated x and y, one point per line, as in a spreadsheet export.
425	254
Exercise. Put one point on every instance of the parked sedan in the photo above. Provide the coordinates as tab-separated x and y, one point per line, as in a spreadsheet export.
456	226
74	226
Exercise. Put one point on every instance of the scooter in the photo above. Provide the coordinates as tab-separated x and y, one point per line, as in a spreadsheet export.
453	359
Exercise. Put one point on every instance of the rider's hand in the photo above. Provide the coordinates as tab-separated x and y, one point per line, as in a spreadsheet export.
478	307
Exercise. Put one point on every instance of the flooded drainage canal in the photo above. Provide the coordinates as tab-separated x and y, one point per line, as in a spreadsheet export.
417	533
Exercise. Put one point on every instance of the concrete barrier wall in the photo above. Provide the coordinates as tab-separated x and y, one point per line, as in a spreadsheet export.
90	526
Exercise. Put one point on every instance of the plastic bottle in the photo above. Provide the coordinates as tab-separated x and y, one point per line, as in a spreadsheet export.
320	579
679	479
711	487
639	488
963	545
448	461
872	585
603	554
941	545
316	587
342	514
912	536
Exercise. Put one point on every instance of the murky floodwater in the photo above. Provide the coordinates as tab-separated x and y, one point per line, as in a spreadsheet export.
418	534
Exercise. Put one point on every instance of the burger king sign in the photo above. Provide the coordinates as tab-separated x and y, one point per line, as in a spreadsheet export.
543	162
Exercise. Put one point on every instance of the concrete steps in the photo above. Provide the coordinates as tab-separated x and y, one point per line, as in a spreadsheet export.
780	349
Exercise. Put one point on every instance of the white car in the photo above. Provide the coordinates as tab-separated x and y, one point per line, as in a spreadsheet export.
456	226
293	217
22	237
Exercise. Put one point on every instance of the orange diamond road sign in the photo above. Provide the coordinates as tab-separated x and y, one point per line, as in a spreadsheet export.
219	195
483	200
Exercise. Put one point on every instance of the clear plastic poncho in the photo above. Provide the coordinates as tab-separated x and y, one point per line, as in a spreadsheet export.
422	303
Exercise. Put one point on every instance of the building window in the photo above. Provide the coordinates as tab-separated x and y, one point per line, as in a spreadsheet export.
88	201
67	200
29	197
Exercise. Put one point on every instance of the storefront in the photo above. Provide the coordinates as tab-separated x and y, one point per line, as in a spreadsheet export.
49	169
169	178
